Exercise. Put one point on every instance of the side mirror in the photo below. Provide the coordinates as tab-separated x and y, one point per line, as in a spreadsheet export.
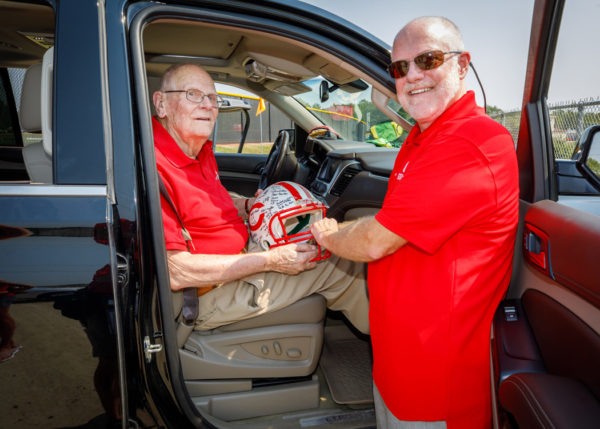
324	91
587	155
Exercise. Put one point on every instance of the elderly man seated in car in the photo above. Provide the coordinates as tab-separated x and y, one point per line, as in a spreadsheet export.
233	279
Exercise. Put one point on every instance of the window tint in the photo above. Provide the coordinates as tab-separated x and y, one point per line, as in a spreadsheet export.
12	168
8	123
27	66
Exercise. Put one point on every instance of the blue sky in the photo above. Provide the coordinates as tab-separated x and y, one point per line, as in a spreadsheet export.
497	35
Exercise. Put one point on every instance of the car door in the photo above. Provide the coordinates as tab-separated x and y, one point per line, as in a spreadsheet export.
546	344
56	269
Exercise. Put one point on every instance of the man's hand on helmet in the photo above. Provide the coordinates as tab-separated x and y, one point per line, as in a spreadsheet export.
322	228
291	258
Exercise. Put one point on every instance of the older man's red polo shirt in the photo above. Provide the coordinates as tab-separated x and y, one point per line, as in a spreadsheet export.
203	203
453	195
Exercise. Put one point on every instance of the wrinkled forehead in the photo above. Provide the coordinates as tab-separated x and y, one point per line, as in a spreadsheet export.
191	77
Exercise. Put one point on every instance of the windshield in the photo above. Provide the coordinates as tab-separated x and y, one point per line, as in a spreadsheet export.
351	114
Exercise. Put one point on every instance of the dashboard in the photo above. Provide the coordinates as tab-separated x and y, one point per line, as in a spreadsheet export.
351	177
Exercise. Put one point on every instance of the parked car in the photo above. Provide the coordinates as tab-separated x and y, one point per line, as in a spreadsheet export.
83	253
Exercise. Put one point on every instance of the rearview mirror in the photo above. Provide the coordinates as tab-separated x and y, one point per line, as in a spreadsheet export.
324	91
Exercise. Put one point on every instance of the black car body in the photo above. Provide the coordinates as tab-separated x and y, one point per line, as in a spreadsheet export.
83	255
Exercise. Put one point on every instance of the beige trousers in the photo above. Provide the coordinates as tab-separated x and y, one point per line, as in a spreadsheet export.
341	282
386	420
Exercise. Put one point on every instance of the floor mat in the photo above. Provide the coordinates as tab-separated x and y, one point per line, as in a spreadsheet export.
347	365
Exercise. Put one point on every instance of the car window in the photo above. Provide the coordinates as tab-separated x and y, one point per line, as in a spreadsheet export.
23	157
8	133
573	101
574	92
348	110
248	119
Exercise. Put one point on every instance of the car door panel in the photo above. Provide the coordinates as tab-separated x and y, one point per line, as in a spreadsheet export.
579	351
240	173
549	401
574	246
574	249
558	313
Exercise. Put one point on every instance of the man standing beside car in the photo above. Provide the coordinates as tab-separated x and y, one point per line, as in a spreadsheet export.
233	284
440	249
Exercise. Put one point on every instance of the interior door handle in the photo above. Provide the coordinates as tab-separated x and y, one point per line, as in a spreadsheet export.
536	248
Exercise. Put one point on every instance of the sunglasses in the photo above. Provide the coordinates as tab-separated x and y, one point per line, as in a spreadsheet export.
425	61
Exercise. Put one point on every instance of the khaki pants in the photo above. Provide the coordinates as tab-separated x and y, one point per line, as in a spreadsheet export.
386	420
341	282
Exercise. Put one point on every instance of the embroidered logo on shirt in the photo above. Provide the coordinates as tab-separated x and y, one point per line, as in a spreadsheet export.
400	176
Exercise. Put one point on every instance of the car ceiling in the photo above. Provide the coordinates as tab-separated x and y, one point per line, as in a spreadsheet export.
228	52
26	31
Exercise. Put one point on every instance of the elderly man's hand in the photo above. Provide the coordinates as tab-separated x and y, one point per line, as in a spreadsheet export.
321	229
292	258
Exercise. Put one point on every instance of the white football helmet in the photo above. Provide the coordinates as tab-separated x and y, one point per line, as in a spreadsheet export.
283	213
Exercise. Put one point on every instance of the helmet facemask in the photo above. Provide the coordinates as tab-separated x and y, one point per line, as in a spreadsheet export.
283	213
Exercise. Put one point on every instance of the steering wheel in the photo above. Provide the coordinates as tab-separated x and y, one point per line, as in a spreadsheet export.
275	159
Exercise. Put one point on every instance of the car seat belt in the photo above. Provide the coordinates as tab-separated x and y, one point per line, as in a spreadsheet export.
189	310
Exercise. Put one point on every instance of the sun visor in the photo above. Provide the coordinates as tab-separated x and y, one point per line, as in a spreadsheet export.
329	71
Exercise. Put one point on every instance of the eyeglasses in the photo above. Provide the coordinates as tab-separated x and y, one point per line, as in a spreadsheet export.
425	61
197	96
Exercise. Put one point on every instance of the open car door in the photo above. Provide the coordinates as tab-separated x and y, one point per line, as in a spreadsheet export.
546	335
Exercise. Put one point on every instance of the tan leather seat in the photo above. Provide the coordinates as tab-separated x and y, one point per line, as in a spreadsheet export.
221	366
35	116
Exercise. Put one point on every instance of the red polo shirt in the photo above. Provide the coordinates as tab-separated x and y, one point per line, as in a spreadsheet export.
453	195
203	203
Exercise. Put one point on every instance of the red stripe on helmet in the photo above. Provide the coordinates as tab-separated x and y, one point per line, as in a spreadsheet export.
291	189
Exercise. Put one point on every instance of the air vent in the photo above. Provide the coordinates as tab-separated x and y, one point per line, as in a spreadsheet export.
344	180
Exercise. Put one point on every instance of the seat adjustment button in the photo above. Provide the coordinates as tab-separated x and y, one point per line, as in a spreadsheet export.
293	353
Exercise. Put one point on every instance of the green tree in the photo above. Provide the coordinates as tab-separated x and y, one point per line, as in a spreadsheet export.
493	110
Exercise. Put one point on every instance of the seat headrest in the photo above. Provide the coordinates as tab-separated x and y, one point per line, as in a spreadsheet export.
47	80
31	97
36	100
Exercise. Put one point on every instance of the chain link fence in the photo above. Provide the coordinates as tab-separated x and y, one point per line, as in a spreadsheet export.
568	120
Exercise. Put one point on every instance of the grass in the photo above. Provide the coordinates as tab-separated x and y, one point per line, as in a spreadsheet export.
256	148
